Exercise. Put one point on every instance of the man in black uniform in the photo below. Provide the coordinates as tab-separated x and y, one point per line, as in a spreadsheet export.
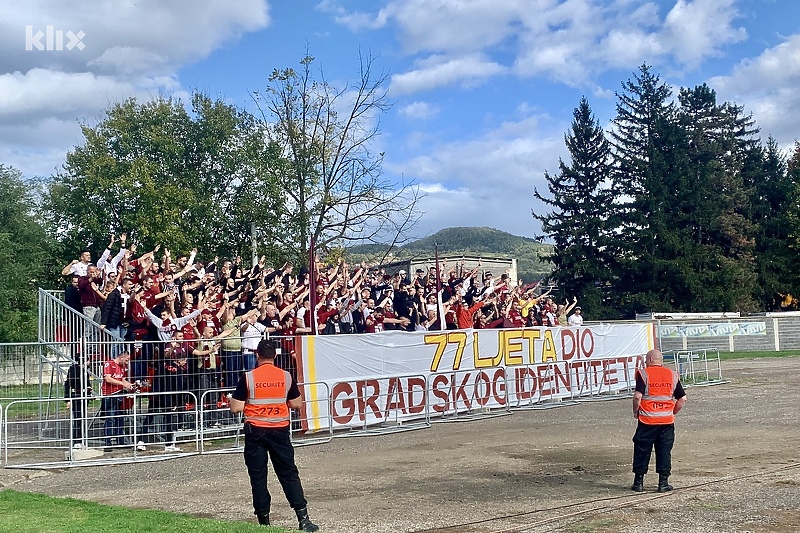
265	395
77	386
658	397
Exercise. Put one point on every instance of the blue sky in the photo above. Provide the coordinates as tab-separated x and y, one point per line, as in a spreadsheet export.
483	90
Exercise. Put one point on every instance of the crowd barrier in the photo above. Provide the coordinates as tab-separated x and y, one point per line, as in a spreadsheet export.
531	396
599	390
696	367
176	406
471	394
316	427
377	407
49	433
43	433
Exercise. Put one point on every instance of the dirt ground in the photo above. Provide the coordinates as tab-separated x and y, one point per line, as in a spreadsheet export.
736	468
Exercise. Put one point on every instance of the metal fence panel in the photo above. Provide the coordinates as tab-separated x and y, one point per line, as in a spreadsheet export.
473	392
46	433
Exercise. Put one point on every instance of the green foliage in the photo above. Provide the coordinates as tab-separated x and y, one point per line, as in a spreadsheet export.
166	176
210	175
700	217
36	513
771	190
579	220
684	236
25	258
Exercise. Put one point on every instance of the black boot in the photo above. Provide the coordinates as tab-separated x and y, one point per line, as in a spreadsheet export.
263	519
638	483
305	523
663	483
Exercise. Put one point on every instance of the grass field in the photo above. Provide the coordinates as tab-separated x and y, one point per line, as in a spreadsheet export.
23	512
757	355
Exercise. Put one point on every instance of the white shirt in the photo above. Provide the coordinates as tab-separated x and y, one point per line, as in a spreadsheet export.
166	328
252	335
109	268
575	319
80	268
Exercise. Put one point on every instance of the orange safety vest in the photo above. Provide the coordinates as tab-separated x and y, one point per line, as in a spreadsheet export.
658	403
267	389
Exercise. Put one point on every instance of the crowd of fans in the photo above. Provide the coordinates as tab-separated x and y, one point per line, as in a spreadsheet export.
127	293
215	312
193	326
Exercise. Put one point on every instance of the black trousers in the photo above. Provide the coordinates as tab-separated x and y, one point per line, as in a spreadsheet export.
275	444
78	414
662	437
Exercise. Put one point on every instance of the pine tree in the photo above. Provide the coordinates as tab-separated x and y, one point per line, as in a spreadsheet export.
793	218
578	222
714	203
647	173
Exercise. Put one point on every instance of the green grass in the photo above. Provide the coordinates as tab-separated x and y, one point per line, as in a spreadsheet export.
23	512
24	392
757	355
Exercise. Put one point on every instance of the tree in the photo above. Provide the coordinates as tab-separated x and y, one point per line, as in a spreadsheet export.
578	223
25	258
167	176
330	179
793	215
772	189
647	171
721	259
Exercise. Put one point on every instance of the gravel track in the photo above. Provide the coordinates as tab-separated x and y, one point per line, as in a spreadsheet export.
736	468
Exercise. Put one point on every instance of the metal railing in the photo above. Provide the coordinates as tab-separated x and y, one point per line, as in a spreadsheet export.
472	394
377	406
61	325
530	390
696	367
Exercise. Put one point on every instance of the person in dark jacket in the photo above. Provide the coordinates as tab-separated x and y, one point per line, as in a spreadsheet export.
113	312
77	387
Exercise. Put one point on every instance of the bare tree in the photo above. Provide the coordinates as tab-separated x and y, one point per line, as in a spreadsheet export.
329	172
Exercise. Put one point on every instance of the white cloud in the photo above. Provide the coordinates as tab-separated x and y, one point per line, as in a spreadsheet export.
419	110
130	49
568	41
766	85
172	33
487	180
695	30
38	147
439	71
355	21
42	93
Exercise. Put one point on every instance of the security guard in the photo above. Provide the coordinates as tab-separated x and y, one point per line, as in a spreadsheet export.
265	395
658	397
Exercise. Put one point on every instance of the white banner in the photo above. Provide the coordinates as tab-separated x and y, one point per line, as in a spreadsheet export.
401	376
722	329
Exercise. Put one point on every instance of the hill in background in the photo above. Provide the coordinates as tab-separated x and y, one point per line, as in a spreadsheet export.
470	241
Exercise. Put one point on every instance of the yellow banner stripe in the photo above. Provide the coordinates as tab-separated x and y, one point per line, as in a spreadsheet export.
311	377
